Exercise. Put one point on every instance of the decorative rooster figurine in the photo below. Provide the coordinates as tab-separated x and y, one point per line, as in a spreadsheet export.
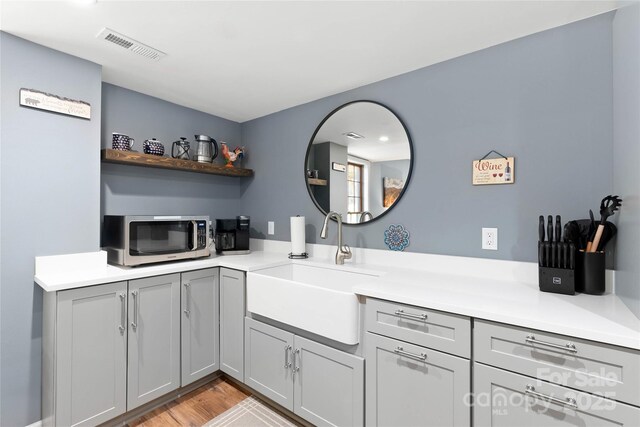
231	156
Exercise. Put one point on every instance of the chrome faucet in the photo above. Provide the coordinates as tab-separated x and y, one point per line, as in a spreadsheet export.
344	251
364	215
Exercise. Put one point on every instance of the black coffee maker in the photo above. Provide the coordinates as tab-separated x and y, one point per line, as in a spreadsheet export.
232	236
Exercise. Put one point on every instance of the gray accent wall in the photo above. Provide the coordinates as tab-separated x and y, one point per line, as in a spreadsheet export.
136	190
50	203
626	151
545	99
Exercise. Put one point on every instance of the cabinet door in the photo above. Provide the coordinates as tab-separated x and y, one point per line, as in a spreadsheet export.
154	338
503	398
268	361
200	356
232	310
328	385
91	354
408	385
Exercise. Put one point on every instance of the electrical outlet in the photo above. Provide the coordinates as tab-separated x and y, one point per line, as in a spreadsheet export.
490	239
271	226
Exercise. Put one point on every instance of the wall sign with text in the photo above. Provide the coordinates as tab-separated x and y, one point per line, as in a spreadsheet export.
57	104
494	171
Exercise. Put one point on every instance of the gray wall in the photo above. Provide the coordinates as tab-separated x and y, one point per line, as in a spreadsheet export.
49	181
545	99
143	191
392	169
626	151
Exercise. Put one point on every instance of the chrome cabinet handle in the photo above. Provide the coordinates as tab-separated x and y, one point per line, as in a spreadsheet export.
123	313
287	364
295	367
134	323
531	391
399	350
187	295
411	315
569	346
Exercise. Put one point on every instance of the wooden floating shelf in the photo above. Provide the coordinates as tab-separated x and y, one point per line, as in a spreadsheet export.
316	181
151	161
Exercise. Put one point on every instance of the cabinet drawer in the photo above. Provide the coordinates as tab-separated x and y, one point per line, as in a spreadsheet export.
585	365
503	398
434	329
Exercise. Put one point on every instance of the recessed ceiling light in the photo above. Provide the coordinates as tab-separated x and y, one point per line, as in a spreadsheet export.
384	138
353	135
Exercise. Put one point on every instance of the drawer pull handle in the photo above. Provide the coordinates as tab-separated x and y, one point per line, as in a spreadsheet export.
570	347
399	350
134	324
531	391
123	314
287	349
411	315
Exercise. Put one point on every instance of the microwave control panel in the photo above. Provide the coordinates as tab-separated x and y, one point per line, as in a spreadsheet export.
202	234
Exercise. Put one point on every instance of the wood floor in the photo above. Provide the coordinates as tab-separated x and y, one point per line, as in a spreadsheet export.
196	408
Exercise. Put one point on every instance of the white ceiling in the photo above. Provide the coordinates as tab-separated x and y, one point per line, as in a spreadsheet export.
245	59
371	121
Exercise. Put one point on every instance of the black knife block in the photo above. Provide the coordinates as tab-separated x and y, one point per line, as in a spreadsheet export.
557	280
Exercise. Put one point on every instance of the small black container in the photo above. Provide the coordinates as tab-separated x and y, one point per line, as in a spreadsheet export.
590	272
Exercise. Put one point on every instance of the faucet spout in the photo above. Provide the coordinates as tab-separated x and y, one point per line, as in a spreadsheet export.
343	252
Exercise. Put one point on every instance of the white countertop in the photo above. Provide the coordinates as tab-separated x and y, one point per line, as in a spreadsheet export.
510	296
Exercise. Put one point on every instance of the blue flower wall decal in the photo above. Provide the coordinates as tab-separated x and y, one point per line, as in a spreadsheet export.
396	238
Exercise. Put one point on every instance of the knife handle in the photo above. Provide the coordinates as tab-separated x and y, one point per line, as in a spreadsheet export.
541	229
558	228
550	228
541	254
565	255
572	256
553	255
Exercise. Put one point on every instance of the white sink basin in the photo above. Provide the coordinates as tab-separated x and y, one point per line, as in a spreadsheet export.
312	298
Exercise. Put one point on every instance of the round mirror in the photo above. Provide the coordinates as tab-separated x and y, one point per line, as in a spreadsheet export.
358	162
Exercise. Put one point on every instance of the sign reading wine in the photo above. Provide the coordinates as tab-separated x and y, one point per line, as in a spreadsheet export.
493	171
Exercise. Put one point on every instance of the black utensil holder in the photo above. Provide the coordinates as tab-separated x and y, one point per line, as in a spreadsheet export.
557	280
590	272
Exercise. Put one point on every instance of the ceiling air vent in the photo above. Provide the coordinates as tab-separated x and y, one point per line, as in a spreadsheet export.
130	44
353	135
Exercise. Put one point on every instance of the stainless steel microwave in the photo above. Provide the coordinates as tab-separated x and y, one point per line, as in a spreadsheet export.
136	240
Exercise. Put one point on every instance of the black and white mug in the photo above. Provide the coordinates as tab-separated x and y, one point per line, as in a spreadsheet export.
122	142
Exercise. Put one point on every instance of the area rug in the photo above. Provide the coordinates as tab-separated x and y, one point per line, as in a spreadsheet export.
250	413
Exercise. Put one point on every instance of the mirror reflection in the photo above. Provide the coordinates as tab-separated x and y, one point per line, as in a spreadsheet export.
358	162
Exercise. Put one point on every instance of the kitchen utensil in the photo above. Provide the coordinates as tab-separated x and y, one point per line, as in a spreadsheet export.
180	149
550	228
206	149
608	206
553	255
153	146
572	233
121	142
565	255
592	231
541	254
572	256
558	228
610	230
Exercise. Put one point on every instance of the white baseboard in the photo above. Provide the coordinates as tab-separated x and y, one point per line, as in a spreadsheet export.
36	424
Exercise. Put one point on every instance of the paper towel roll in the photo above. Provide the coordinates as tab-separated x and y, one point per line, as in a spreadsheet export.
298	240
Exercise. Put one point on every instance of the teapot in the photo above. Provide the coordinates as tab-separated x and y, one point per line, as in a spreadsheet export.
153	146
180	149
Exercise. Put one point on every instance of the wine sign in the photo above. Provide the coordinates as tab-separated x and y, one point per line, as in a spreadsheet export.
46	101
494	171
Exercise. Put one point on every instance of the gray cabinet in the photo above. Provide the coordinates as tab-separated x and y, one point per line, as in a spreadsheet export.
503	398
328	384
323	385
154	338
199	325
85	355
409	385
232	311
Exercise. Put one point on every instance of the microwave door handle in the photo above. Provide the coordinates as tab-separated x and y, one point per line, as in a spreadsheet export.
194	236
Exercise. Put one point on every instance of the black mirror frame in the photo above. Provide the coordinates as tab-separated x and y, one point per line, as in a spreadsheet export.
411	153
